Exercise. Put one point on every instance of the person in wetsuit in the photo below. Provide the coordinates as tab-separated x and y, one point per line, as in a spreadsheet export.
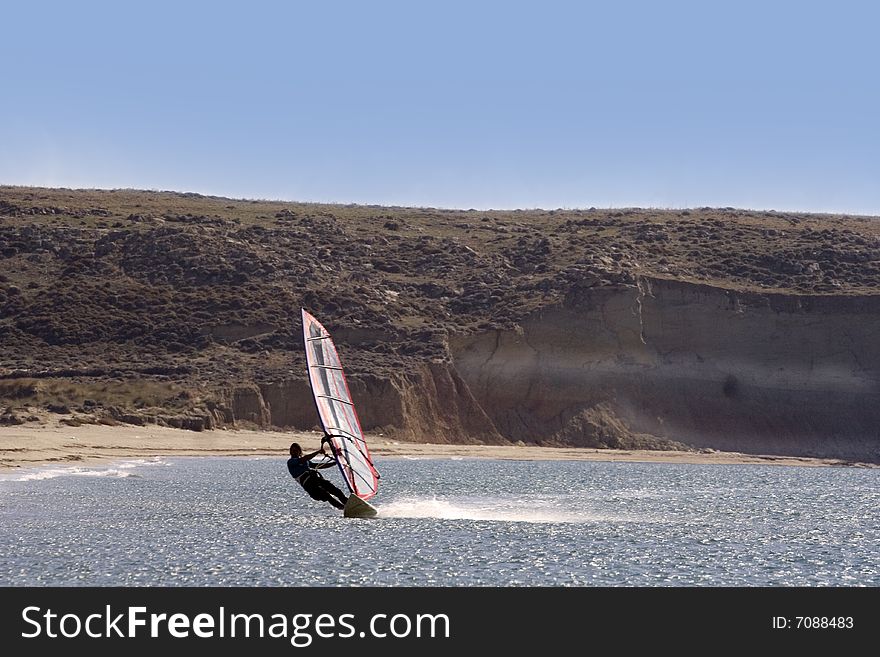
311	480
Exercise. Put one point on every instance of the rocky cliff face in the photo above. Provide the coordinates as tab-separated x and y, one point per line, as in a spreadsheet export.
714	368
431	404
653	365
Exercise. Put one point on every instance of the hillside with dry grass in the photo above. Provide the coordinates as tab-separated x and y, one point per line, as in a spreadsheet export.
135	306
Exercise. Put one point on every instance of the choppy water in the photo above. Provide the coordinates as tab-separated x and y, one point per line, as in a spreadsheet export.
447	522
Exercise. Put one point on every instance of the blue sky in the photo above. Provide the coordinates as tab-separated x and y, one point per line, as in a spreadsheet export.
770	105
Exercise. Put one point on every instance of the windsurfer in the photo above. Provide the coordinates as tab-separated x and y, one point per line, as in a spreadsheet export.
311	480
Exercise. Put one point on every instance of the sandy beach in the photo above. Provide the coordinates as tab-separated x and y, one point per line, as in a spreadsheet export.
24	446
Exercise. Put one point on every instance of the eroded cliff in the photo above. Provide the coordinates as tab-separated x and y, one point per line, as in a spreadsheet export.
428	404
752	372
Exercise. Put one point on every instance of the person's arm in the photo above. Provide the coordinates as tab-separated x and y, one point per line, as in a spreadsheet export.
329	464
309	457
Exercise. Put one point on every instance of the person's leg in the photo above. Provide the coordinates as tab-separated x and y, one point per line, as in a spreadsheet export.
331	488
317	491
324	496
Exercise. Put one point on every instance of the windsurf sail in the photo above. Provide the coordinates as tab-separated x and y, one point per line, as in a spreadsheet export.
336	410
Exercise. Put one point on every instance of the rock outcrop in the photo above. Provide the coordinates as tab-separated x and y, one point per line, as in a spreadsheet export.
706	366
429	404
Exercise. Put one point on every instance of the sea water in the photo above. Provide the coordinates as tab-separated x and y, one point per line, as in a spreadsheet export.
443	522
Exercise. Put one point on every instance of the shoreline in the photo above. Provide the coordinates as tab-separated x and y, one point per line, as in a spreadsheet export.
24	447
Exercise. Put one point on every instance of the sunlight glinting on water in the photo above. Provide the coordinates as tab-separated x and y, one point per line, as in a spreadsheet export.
472	522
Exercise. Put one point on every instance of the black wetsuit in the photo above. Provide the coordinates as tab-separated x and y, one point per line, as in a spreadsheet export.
314	483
